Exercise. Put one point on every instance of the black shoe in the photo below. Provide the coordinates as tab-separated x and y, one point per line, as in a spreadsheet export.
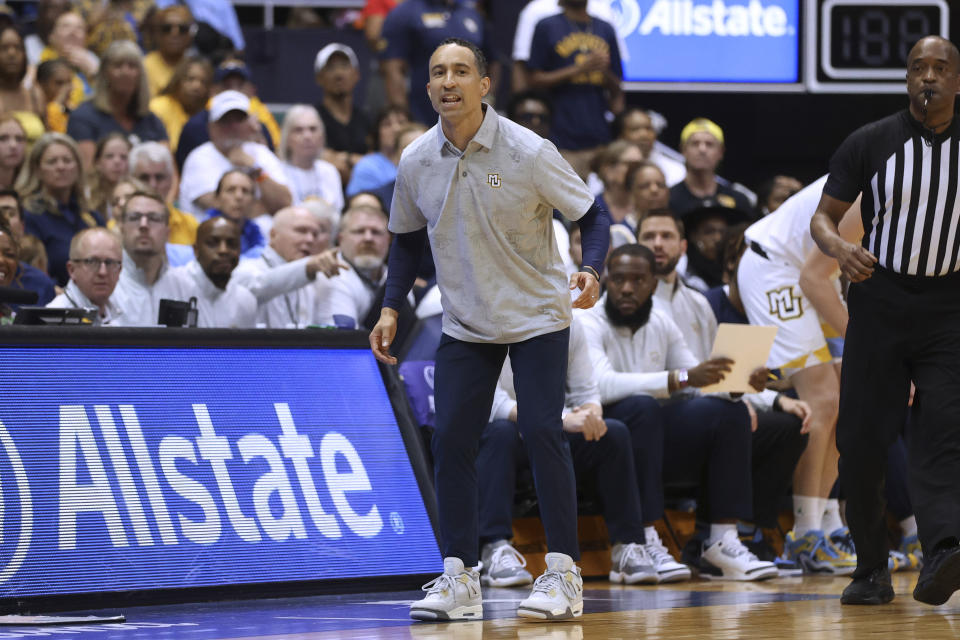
874	588
940	576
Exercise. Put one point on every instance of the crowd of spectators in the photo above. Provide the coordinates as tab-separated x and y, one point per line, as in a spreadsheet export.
135	167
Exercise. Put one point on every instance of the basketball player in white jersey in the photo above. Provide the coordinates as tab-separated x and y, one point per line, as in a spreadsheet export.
774	293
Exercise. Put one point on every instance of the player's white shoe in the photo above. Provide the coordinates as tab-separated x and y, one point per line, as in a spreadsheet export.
453	595
557	594
667	568
630	564
729	559
503	566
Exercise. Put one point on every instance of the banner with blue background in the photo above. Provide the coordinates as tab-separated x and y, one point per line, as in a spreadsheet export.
130	468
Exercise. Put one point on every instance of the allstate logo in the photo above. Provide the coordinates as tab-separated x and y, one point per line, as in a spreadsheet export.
23	527
626	16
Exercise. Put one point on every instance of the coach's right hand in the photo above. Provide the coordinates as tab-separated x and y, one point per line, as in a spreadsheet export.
709	372
856	263
383	334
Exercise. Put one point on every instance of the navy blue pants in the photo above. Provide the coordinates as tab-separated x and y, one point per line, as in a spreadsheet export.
701	440
465	379
608	460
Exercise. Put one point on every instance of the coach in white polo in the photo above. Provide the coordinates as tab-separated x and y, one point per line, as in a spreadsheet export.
484	189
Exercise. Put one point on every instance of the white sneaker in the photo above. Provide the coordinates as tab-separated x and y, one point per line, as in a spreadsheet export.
557	594
630	564
667	568
729	559
503	566
453	595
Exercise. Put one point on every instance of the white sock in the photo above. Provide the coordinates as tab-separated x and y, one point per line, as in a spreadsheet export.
650	533
831	516
717	531
909	526
807	514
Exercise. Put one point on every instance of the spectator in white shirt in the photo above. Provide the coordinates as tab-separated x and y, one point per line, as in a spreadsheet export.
364	242
639	355
230	147
284	278
146	277
302	142
96	257
221	302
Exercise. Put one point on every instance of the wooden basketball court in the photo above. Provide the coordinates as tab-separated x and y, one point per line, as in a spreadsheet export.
784	609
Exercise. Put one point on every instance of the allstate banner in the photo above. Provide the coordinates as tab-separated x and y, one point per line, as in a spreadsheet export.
129	468
709	40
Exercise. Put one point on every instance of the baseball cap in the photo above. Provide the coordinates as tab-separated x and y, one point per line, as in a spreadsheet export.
232	68
701	125
227	101
323	56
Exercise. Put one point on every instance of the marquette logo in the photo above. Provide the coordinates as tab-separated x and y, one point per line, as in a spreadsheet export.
16	509
493	179
698	18
784	303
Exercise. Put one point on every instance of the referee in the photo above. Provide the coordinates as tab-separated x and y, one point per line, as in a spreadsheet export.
904	304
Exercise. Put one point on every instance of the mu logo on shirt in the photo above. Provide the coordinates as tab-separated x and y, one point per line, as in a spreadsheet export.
784	303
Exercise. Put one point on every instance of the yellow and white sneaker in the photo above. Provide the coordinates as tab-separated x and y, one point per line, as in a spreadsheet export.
557	594
816	554
453	595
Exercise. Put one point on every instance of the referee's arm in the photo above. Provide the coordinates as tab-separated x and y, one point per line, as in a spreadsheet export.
856	263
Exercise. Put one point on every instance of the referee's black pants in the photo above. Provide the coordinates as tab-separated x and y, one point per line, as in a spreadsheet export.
901	328
465	378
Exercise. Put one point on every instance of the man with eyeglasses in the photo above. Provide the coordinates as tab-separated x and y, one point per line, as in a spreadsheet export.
96	258
146	277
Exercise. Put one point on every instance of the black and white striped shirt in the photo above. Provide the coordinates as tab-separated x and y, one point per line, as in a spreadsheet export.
909	178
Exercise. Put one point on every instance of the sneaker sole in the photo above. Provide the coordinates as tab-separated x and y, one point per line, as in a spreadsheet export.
574	611
676	575
625	578
740	576
942	584
516	581
460	613
814	568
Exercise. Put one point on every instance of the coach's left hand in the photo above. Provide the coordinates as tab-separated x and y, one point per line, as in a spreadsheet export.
589	287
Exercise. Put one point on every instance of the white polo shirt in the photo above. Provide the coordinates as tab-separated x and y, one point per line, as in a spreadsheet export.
488	213
140	302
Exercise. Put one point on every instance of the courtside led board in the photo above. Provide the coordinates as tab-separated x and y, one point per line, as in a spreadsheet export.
132	468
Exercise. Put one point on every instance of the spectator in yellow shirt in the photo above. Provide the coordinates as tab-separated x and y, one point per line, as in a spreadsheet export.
173	30
185	95
55	78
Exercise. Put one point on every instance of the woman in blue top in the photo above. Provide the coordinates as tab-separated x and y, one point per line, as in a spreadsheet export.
377	169
55	207
120	102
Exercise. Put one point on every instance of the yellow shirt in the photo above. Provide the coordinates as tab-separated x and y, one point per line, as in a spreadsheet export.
56	117
263	114
171	113
183	227
159	74
32	125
